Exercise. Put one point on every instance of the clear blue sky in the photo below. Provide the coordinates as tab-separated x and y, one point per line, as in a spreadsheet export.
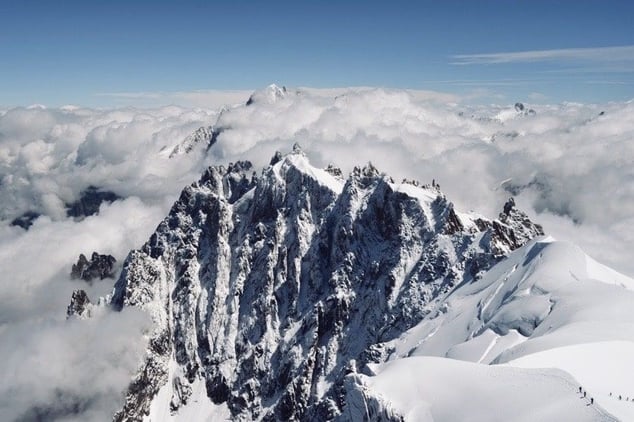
61	52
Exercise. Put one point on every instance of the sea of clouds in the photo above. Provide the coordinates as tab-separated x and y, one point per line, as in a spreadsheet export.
571	167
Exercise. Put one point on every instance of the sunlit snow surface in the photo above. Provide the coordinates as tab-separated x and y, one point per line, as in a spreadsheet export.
584	325
604	369
429	389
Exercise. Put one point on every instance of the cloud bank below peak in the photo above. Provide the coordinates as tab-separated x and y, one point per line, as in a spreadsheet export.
568	165
570	161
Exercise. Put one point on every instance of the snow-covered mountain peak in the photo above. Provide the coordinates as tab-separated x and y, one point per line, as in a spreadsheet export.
366	172
294	170
203	136
265	289
269	95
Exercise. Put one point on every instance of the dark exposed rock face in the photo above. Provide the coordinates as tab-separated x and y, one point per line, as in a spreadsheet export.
512	229
547	197
79	305
25	220
89	202
99	267
521	109
269	290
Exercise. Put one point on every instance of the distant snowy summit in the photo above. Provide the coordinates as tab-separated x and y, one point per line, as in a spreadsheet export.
207	136
204	135
269	95
267	290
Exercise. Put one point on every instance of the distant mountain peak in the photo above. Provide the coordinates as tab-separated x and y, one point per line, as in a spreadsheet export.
269	95
204	135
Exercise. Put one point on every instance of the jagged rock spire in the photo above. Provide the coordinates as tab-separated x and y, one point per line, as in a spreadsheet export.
277	157
508	206
79	305
99	267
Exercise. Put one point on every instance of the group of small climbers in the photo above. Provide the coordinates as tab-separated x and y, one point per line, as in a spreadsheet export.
621	397
582	391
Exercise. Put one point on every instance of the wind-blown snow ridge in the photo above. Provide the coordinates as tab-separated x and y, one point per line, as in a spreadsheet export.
269	289
546	305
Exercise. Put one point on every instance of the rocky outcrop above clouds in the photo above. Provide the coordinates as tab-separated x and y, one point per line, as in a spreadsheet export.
269	289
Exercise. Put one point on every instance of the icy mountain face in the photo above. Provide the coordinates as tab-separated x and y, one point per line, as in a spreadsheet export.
269	289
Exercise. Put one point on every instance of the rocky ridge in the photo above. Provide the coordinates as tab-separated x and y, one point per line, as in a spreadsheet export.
99	267
269	289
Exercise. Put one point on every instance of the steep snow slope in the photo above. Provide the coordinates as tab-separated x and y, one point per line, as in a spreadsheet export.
267	290
546	294
604	369
547	305
426	389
